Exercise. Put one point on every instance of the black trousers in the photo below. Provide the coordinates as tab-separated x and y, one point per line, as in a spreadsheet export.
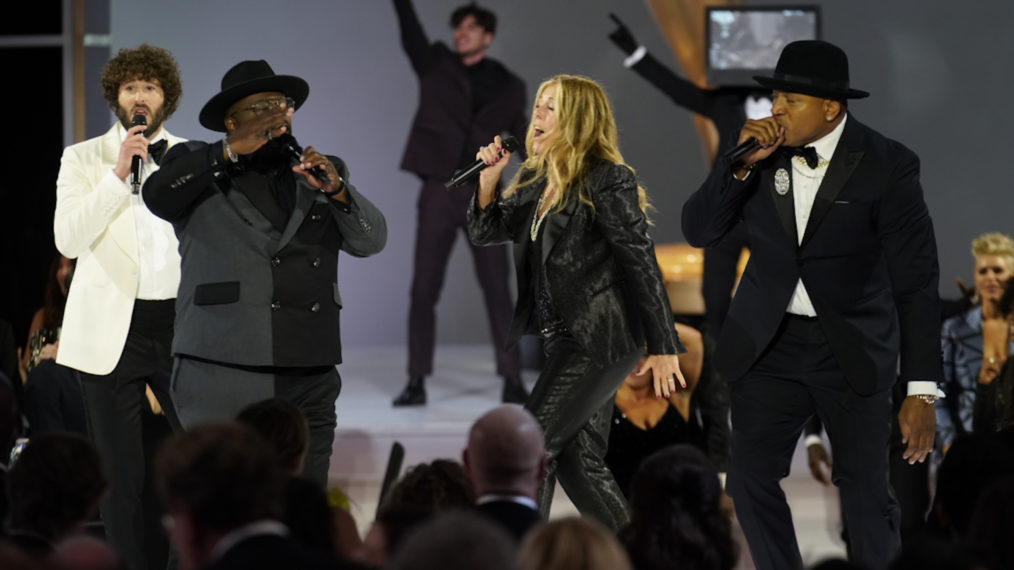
114	406
573	403
207	391
441	216
796	377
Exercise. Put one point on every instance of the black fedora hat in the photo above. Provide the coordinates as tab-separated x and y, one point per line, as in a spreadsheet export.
812	67
246	78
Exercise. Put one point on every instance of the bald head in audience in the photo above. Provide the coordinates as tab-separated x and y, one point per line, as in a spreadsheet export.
505	453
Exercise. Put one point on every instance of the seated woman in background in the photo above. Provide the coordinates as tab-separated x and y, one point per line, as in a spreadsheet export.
52	394
962	338
643	424
994	395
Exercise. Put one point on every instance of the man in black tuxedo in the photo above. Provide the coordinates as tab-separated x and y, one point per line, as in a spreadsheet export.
842	280
505	460
465	99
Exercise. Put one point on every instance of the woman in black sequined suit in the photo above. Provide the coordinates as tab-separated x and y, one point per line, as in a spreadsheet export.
588	282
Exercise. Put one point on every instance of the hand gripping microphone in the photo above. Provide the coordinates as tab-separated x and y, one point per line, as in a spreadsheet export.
744	148
135	162
464	174
289	142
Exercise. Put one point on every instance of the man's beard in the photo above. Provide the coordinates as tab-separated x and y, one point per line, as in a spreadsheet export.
157	118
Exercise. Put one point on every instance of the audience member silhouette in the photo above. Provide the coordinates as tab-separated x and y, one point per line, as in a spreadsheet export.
572	543
505	460
388	531
222	489
456	540
85	552
307	513
438	485
973	462
53	488
991	525
676	520
52	392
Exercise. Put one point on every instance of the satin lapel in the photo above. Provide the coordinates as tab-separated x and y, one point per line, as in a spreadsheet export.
305	197
121	229
843	163
783	203
555	224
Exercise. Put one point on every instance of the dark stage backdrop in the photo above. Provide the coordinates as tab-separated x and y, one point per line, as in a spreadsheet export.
937	71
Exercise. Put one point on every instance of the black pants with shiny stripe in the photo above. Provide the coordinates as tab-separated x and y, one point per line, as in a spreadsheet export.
572	400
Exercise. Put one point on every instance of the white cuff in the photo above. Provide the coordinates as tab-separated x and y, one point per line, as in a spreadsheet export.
813	439
925	389
721	480
635	57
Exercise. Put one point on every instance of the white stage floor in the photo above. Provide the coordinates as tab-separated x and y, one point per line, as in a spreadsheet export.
463	386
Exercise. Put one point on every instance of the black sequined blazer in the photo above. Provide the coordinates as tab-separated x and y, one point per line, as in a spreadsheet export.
600	265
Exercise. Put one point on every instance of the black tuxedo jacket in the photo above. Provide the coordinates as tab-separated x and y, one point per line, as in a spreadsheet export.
868	260
600	265
445	125
515	518
250	293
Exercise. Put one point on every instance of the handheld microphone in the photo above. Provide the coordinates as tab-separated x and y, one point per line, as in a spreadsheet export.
742	149
135	162
289	142
464	174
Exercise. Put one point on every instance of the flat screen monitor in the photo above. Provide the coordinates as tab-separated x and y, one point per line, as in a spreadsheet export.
746	41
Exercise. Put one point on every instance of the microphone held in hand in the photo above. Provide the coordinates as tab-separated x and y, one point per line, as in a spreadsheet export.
744	148
289	143
135	162
464	174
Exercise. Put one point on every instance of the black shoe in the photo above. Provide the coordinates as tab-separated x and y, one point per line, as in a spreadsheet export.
414	393
514	391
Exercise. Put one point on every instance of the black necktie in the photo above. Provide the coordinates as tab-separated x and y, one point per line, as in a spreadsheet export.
156	150
808	153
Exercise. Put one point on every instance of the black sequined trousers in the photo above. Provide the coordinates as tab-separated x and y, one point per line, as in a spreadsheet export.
572	400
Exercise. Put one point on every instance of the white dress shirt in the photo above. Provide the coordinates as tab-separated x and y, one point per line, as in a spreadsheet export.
158	258
805	183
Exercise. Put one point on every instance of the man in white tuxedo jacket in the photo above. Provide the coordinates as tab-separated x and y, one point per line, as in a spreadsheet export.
118	322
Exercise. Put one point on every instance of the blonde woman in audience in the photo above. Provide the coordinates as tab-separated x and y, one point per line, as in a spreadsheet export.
975	343
572	543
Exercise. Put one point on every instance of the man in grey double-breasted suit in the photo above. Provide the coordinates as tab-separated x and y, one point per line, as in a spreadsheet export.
260	231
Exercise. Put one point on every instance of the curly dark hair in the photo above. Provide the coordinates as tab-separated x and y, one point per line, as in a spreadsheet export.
675	515
437	485
483	17
145	62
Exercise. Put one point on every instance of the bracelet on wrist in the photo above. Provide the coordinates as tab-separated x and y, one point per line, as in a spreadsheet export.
341	187
228	151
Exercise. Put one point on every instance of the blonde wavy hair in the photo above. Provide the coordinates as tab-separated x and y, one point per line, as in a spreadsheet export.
572	543
585	130
996	243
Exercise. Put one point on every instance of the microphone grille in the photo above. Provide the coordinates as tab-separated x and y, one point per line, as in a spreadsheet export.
138	120
510	144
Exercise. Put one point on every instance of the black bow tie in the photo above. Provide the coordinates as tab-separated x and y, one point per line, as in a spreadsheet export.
156	150
808	153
